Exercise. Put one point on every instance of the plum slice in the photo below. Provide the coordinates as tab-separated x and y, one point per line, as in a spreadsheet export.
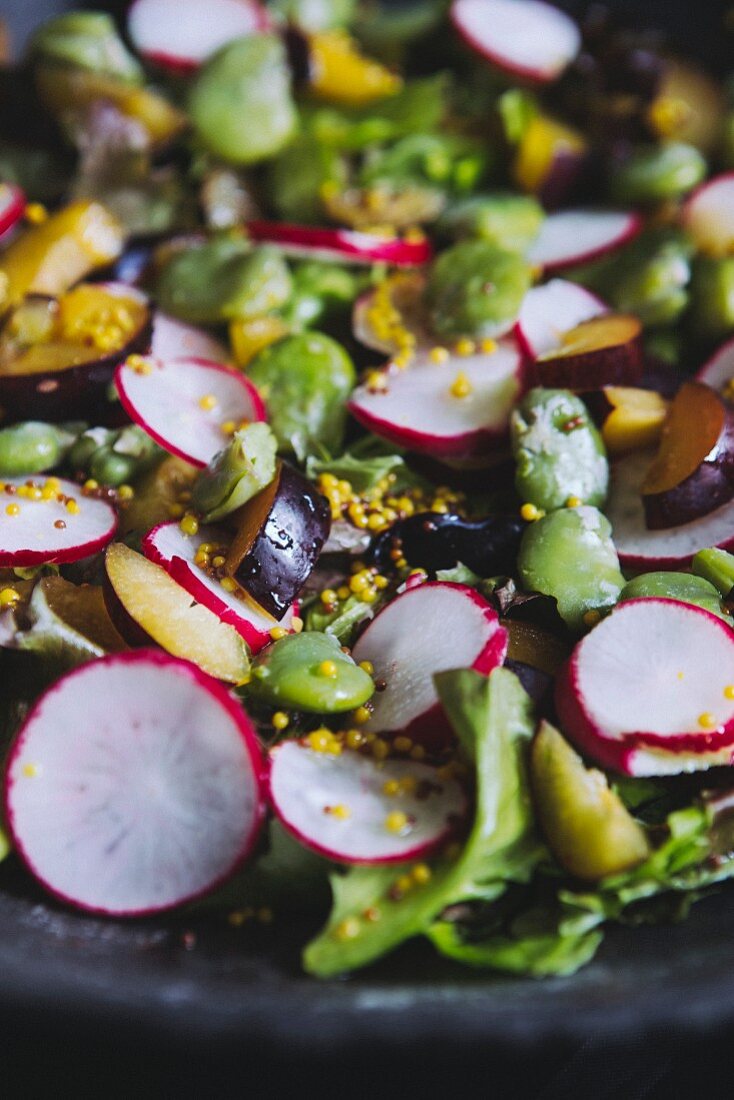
427	629
58	355
693	472
134	785
184	404
649	691
571	237
352	809
528	39
347	246
280	533
48	521
603	351
169	547
163	36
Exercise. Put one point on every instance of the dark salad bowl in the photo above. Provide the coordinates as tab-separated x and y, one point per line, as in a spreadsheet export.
230	1001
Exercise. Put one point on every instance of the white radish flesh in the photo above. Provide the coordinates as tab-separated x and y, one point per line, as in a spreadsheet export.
181	39
551	310
50	521
183	403
708	215
572	237
174	339
719	370
526	38
350	807
134	785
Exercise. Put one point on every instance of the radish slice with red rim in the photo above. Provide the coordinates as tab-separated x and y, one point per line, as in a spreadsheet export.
526	38
344	245
427	629
550	310
134	785
340	806
653	680
12	206
168	546
183	403
719	370
49	521
708	215
405	294
572	237
459	408
181	40
174	339
671	548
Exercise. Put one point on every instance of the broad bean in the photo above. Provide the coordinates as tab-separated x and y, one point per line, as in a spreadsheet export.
475	289
309	671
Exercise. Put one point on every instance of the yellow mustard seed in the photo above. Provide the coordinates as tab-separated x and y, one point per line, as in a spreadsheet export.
229	427
340	811
320	739
592	617
391	787
396	821
30	771
439	355
728	690
354	739
72	507
707	720
403	884
461	386
8	597
362	715
280	720
35	213
402	744
189	524
208	402
328	596
465	347
417	752
529	512
421	874
12	509
125	492
328	669
367	667
488	345
277	632
348	929
380	749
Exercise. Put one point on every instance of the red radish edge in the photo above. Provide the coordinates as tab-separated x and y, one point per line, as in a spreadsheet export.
56	511
224	699
618	751
463	14
258	407
183	571
550	310
431	723
556	259
342	244
12	206
299	826
178	62
653	549
474	442
691	208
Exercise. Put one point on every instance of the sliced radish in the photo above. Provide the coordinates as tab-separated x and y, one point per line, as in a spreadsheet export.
183	403
719	370
344	245
651	686
12	206
179	39
551	310
708	215
338	805
134	785
526	38
168	546
61	526
671	548
427	629
422	407
573	237
174	339
405	296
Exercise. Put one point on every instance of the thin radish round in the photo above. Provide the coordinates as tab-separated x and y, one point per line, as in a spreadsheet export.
427	629
12	206
342	808
459	408
174	339
573	237
344	245
719	369
134	785
183	403
372	319
655	678
49	521
526	38
671	548
169	547
551	310
708	215
181	39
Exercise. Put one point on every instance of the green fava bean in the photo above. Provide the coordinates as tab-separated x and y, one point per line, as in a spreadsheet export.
32	447
558	451
655	287
655	173
717	567
569	554
305	381
241	104
320	291
86	40
476	289
684	587
298	175
508	221
315	15
310	672
223	279
712	296
237	473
